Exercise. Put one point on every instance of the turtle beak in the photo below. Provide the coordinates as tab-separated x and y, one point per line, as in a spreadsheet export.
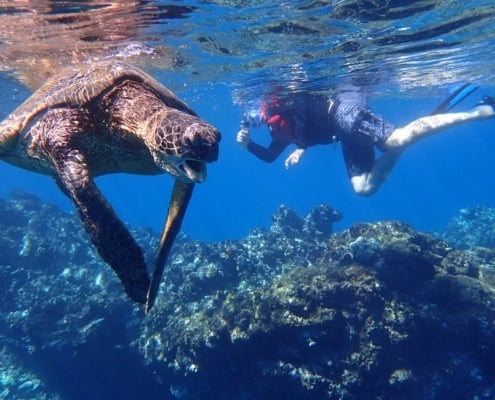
194	170
200	143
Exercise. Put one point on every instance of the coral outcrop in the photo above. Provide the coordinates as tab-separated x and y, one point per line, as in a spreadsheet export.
291	312
474	226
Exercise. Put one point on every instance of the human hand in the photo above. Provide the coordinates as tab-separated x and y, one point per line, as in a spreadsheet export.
294	158
243	137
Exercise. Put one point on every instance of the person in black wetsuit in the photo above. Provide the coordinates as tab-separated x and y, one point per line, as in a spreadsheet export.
308	120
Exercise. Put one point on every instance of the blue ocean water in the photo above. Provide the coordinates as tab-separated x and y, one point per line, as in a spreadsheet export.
431	182
421	60
219	56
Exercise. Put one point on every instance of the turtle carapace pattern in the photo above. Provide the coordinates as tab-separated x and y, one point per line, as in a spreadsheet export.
109	117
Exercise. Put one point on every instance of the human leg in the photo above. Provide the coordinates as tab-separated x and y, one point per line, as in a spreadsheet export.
423	127
367	183
366	173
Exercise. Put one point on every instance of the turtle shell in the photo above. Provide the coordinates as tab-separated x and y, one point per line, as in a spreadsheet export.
77	86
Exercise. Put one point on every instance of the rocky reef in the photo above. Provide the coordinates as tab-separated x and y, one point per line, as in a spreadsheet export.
474	226
291	312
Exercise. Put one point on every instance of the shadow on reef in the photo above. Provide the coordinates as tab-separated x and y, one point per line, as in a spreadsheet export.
291	312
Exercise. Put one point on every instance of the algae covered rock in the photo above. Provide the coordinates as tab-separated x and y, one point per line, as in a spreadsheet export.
385	312
290	312
63	318
317	224
474	226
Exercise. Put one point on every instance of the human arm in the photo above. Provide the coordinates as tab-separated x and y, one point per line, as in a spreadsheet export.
267	154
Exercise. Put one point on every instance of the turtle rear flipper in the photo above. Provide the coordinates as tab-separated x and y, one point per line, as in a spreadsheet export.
108	233
113	241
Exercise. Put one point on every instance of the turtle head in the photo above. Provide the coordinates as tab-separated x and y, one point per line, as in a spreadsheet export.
182	144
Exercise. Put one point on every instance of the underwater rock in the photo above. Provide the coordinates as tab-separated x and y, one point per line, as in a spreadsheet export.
196	269
28	239
386	311
473	226
402	257
63	311
291	312
318	223
17	383
287	222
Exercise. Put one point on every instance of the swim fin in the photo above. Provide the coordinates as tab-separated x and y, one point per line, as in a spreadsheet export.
455	98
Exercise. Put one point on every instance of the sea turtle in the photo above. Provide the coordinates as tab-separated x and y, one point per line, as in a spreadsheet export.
110	117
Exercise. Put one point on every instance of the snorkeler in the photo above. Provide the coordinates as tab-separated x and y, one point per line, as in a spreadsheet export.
308	120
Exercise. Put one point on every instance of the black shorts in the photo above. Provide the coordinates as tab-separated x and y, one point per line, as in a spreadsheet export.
360	130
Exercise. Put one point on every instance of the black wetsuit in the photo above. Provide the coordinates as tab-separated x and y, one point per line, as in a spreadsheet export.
312	123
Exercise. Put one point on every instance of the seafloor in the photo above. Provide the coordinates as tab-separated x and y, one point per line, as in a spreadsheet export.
379	311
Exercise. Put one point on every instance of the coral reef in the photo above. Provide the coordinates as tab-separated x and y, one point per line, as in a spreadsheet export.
294	312
16	383
387	312
474	226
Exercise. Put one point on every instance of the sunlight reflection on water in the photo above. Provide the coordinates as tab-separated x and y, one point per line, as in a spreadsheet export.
388	45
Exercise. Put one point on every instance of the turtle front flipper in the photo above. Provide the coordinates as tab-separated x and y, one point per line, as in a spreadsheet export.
177	208
108	233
